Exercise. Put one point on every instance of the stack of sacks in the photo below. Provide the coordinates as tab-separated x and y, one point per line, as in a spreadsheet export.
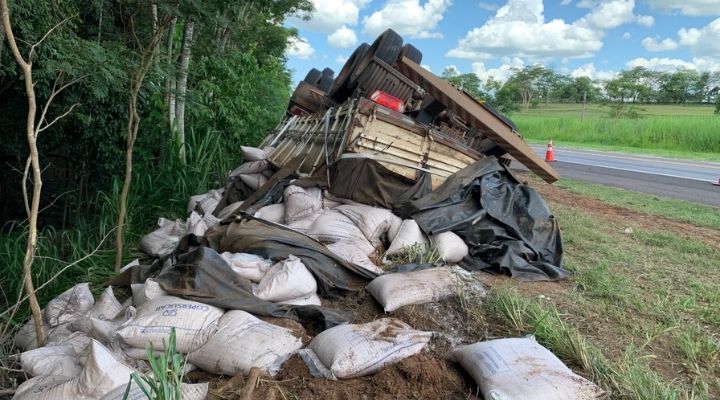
450	246
256	170
162	241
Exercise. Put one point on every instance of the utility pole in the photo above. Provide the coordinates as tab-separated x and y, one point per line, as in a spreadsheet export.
582	115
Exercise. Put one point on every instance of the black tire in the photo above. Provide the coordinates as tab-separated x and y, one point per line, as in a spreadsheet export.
326	82
386	47
410	52
340	89
329	72
313	76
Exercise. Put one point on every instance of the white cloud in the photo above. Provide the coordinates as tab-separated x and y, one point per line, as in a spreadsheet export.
651	44
687	7
330	15
519	29
501	73
673	64
586	4
565	2
646	20
589	70
610	14
341	59
408	18
427	67
488	6
704	42
661	64
299	48
343	38
626	35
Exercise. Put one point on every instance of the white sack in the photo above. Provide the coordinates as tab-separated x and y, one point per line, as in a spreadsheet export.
374	222
70	305
107	306
355	253
450	246
227	211
312	300
37	385
252	153
286	280
142	292
349	350
255	181
332	226
393	291
243	342
158	243
172	228
196	225
25	338
188	391
408	234
250	167
102	330
520	368
273	213
394	228
301	202
207	201
248	266
303	225
194	323
130	265
101	374
80	342
51	360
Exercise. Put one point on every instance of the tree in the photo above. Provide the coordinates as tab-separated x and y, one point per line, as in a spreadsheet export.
470	83
527	82
32	130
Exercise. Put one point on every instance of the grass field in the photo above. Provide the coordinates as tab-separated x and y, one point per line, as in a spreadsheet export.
641	314
667	130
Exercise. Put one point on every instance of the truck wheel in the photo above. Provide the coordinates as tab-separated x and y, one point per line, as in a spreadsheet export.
326	82
386	47
340	89
410	52
313	76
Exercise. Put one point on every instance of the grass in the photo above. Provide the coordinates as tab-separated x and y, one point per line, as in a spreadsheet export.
661	130
167	373
679	210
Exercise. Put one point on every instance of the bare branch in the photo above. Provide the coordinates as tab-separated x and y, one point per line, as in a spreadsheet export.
59	117
32	48
50	99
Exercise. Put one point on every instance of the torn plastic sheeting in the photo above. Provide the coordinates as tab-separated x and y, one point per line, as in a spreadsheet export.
507	225
200	274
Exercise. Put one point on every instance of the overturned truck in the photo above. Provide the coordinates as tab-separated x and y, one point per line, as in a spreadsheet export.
367	171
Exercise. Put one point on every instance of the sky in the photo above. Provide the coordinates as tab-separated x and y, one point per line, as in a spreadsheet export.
595	38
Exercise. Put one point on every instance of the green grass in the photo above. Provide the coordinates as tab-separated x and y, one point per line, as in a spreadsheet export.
679	210
639	315
661	130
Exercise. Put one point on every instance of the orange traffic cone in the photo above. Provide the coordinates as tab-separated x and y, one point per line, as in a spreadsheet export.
717	183
550	153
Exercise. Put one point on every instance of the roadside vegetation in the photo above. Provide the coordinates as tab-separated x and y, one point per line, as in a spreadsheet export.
639	315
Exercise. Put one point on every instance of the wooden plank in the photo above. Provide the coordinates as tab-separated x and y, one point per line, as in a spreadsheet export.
479	117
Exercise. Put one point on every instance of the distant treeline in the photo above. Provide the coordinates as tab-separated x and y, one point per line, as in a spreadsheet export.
537	84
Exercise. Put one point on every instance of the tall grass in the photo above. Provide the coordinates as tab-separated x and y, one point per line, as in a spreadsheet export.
158	189
682	133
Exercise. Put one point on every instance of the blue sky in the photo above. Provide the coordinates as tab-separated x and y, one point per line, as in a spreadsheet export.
593	38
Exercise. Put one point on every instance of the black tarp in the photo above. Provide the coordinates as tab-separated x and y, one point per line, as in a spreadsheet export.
506	224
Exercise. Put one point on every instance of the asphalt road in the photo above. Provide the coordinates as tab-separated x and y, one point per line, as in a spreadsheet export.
687	180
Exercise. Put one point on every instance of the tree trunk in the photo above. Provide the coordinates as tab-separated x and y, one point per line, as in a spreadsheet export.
2	42
37	179
136	81
170	78
183	63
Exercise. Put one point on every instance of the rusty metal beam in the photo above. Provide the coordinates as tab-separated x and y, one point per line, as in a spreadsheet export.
480	117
